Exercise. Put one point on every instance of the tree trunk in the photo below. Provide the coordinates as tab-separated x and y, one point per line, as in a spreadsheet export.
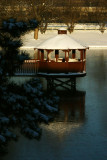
36	33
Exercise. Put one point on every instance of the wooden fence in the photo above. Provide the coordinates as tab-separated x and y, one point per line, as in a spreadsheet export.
29	67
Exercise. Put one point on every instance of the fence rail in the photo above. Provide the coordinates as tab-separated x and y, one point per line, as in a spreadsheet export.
29	67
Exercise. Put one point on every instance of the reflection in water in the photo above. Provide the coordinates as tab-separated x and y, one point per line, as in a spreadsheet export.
72	107
71	114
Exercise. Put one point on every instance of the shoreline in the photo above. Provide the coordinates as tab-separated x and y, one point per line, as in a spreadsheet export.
90	47
93	39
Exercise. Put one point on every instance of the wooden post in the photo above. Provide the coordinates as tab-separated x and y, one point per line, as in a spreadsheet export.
48	55
50	83
73	53
67	56
56	55
42	55
36	33
73	84
84	53
85	59
81	54
38	55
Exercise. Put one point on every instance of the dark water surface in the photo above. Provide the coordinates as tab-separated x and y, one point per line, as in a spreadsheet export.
79	132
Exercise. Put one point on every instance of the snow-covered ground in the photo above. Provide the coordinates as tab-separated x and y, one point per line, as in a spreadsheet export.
89	38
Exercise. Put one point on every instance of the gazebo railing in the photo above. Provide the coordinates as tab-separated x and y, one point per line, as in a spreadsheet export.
33	66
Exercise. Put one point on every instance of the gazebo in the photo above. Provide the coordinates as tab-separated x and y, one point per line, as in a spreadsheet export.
61	56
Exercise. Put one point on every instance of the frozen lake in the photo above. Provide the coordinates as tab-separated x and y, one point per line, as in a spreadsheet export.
79	132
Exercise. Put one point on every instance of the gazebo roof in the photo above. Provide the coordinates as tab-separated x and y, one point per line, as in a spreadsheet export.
60	42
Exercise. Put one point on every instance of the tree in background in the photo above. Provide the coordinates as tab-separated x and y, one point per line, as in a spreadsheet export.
24	10
101	14
53	11
42	11
71	15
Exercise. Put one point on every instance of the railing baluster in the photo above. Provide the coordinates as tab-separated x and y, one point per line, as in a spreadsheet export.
28	67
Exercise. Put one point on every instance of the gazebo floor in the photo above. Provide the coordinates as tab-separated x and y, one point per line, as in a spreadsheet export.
61	75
